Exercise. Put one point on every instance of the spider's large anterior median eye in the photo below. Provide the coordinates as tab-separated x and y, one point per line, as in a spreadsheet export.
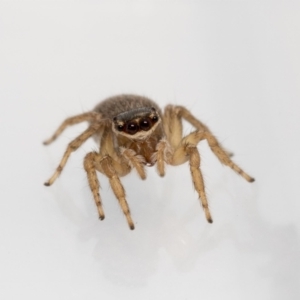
132	128
145	124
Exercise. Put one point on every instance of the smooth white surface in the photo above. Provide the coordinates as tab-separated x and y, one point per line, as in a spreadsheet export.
236	65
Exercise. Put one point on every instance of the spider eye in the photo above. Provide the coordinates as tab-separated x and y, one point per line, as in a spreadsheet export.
132	128
145	124
154	118
120	127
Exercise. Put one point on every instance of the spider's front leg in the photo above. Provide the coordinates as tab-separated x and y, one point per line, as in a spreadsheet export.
109	167
162	155
134	161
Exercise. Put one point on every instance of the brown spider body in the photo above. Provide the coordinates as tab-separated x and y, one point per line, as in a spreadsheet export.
126	110
134	133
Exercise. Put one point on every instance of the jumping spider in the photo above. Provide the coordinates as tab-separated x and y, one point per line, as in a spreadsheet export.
134	133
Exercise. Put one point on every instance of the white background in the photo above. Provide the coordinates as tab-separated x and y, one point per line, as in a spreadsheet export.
235	65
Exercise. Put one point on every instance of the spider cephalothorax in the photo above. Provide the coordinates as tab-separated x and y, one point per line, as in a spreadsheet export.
133	133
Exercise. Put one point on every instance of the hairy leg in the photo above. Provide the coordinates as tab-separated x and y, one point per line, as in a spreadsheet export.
189	152
172	125
106	167
134	161
184	113
185	149
89	165
203	132
182	150
194	138
194	160
89	116
162	155
74	145
224	156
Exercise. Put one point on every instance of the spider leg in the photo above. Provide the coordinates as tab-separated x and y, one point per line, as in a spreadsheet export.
195	137
106	167
186	114
203	132
163	154
172	123
89	116
187	151
224	156
173	130
94	161
74	145
134	160
89	166
182	112
194	160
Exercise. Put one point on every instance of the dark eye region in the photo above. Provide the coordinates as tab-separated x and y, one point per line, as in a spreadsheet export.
133	126
145	124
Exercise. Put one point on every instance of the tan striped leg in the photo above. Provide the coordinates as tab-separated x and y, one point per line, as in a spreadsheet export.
135	161
89	166
162	155
74	145
194	138
194	159
90	116
107	168
224	157
204	133
179	112
172	122
187	151
186	114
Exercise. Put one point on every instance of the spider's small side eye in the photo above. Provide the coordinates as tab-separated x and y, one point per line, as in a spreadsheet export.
120	127
145	124
154	118
132	128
